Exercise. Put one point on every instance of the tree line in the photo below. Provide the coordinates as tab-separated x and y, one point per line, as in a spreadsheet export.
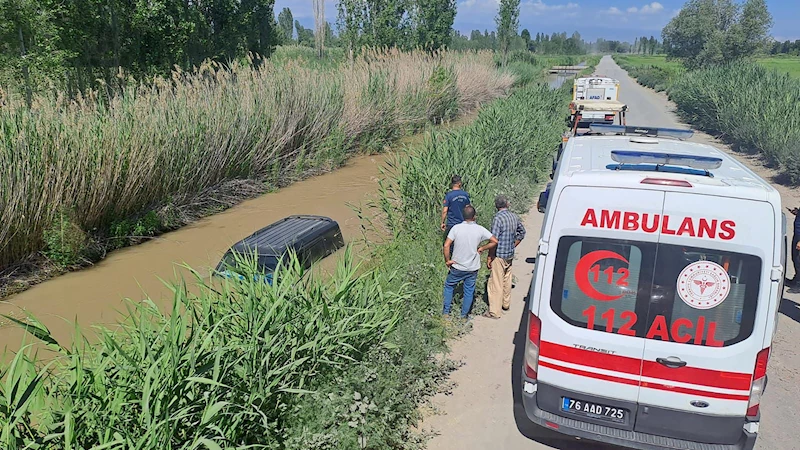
713	32
786	48
79	41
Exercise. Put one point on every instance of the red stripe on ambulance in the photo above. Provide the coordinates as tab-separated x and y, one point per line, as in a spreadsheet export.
666	224
651	369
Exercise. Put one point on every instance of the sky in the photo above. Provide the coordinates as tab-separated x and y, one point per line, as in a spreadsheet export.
623	20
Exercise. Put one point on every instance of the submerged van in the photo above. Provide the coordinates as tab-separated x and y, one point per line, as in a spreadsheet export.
310	237
655	295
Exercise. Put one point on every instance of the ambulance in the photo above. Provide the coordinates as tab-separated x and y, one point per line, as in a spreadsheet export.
654	300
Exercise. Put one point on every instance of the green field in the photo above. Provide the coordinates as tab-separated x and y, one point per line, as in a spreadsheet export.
790	64
781	63
654	60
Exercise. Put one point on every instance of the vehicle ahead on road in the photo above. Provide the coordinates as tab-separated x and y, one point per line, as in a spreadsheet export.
595	99
655	296
309	237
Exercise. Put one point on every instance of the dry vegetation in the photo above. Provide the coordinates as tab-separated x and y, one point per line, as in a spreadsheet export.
80	174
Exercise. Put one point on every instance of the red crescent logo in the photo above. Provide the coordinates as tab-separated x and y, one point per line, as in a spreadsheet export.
582	274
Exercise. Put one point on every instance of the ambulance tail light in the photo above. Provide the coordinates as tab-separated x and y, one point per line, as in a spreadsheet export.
667	182
759	382
532	346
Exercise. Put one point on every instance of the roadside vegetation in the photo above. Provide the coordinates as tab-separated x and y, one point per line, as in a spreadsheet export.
718	76
655	72
744	103
339	362
83	177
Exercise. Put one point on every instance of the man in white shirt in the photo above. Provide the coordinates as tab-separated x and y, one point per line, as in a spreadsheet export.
465	261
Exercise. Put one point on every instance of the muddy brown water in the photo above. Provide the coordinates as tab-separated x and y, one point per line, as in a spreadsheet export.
96	295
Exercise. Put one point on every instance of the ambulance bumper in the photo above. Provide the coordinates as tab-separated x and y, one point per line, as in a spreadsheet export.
616	436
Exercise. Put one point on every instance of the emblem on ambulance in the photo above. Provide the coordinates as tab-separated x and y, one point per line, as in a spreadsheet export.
703	285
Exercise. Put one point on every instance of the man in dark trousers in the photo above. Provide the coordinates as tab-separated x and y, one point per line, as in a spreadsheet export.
795	248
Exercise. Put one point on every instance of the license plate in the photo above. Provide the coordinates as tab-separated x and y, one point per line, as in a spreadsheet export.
594	410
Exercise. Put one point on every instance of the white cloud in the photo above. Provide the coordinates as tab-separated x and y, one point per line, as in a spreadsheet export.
540	6
614	11
650	8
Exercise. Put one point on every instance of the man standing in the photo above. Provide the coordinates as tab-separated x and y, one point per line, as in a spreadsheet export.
465	260
453	205
509	231
795	248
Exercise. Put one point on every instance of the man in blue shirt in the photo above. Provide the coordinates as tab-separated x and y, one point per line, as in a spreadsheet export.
509	231
453	205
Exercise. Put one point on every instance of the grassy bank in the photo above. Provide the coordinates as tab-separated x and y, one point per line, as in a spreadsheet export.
747	104
782	63
80	178
339	363
654	72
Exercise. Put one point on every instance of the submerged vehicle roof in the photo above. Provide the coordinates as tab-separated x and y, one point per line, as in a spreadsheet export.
292	231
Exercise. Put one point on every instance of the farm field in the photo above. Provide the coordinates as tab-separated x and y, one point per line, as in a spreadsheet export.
781	63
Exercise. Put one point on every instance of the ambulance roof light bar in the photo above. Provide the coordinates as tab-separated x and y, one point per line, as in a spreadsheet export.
641	131
666	159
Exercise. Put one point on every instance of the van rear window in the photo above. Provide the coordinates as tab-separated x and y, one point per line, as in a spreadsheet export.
674	293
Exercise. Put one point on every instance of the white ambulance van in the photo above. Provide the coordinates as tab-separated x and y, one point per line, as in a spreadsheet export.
655	295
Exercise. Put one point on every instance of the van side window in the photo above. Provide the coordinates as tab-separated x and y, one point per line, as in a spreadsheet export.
656	291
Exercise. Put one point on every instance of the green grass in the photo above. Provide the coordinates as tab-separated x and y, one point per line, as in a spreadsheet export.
654	71
782	63
749	106
324	363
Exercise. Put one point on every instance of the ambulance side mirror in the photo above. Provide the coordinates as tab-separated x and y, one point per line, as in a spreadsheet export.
542	203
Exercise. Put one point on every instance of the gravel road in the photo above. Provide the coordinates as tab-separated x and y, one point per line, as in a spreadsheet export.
483	410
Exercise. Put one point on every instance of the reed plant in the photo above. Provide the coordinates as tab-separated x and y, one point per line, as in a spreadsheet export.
337	362
218	370
752	107
99	160
505	151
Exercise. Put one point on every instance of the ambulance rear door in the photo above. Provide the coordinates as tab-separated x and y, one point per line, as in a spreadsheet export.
600	263
707	318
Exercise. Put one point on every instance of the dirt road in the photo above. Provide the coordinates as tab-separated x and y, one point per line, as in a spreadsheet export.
483	411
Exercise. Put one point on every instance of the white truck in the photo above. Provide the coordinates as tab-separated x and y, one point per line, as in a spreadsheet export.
595	99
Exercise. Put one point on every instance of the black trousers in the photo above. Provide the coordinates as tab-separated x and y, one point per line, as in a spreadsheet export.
444	238
796	256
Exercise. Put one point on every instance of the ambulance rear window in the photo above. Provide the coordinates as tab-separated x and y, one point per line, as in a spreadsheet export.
666	292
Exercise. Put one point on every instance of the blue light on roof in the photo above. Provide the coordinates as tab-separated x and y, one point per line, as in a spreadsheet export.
641	131
695	162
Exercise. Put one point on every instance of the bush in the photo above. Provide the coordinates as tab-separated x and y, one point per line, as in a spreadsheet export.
442	94
754	108
64	241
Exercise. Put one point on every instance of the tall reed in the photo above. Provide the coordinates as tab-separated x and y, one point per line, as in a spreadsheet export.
306	362
96	161
218	371
754	108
